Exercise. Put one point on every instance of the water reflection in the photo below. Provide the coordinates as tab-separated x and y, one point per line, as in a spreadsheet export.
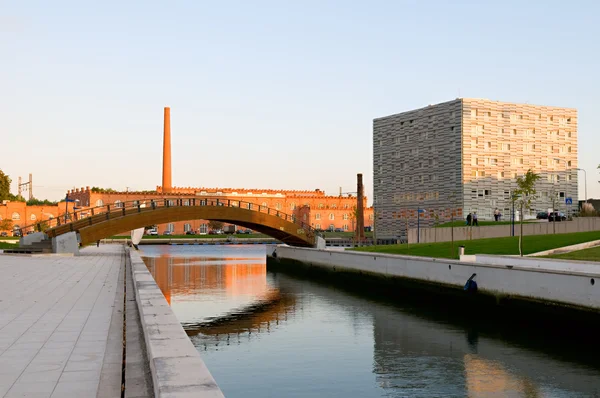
309	339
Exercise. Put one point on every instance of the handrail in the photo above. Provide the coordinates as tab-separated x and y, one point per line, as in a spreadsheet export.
90	215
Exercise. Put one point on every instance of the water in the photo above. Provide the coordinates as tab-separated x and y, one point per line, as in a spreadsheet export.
272	335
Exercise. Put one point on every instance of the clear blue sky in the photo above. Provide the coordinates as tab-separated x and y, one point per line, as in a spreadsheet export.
268	94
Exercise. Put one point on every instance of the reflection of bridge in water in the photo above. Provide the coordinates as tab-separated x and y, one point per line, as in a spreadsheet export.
261	308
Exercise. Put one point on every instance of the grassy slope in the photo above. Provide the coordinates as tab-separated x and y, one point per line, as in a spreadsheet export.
592	254
507	245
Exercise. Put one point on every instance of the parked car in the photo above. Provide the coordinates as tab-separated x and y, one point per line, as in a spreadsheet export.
168	233
17	233
212	232
557	216
190	232
152	232
339	230
30	232
542	215
3	234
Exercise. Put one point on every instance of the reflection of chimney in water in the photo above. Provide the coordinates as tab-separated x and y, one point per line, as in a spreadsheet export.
166	176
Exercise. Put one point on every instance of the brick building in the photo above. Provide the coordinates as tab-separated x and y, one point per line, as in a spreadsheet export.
464	156
21	215
314	207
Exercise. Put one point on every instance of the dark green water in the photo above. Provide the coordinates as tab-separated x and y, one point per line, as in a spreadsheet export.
273	335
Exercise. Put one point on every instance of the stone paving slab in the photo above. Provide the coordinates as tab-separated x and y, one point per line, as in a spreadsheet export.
55	318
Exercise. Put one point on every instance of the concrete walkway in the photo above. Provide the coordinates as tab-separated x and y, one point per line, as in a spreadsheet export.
61	324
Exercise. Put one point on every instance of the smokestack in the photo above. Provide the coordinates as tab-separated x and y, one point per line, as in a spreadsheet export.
360	211
166	177
30	186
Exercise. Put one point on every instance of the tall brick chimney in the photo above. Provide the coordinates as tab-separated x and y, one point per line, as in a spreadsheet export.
166	176
360	209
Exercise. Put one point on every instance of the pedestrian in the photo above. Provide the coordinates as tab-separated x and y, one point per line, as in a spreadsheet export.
496	215
475	223
469	219
98	243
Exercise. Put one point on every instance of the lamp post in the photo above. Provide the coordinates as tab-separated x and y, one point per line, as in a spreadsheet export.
585	182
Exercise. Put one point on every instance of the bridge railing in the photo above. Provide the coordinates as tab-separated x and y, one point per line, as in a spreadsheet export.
72	221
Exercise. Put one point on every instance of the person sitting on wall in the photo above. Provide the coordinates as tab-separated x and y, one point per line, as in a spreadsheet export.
469	219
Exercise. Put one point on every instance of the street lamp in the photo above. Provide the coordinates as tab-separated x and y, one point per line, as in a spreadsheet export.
585	177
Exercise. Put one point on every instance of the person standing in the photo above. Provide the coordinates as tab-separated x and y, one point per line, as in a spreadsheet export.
475	223
496	215
469	219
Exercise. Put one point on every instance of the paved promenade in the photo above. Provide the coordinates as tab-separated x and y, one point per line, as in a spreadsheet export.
61	325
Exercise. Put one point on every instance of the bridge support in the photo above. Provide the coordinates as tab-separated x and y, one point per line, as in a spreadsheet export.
320	243
66	243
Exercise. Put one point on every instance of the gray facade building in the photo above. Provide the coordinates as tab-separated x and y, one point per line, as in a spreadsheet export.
464	156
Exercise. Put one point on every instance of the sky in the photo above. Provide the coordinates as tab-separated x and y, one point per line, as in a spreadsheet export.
268	94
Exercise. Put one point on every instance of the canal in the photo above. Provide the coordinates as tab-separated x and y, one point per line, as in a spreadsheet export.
263	334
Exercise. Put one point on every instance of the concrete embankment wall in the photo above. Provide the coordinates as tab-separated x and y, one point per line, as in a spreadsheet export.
576	289
428	235
176	366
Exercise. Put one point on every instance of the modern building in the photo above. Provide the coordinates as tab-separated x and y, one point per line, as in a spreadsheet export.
446	160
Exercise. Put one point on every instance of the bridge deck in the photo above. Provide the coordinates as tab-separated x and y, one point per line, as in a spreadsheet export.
61	325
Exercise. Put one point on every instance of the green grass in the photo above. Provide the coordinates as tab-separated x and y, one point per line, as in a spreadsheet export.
5	245
500	246
591	254
461	223
9	238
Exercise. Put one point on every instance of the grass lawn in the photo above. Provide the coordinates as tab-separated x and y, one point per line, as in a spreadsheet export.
462	223
507	245
5	245
591	254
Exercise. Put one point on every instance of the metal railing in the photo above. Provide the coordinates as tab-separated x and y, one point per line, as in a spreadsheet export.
92	215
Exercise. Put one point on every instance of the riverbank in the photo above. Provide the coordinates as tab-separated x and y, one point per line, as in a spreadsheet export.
547	294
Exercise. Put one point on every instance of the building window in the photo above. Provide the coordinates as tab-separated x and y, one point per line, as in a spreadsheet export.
345	227
187	227
170	227
317	216
16	216
569	163
33	217
204	228
278	206
293	206
304	217
99	203
331	216
334	206
321	205
317	226
119	204
345	216
264	204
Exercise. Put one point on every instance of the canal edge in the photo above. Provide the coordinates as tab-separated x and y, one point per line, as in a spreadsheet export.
175	364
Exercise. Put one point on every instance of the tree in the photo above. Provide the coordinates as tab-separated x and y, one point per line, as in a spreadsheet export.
6	225
525	193
215	225
4	186
38	202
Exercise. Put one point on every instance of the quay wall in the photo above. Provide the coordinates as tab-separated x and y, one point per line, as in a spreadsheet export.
176	366
561	285
429	235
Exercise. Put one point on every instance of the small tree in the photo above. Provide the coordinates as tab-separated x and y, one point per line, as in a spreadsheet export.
4	186
525	193
6	225
215	225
